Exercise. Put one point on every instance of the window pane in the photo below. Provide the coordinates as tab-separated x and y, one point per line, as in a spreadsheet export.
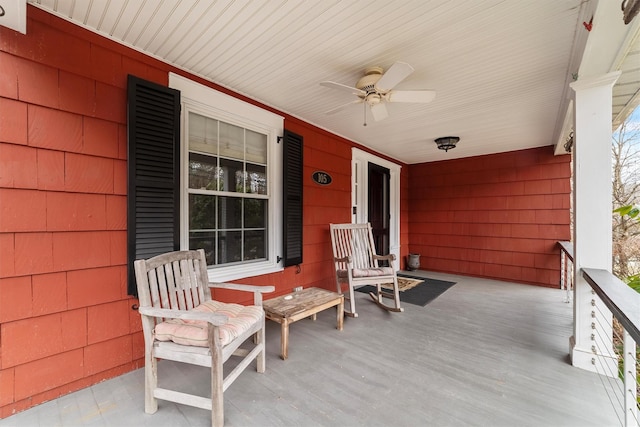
229	213
256	179
255	213
254	245
206	241
203	172
203	134
202	212
231	141
231	176
256	147
229	246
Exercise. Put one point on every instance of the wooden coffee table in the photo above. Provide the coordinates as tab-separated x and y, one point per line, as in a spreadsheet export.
290	308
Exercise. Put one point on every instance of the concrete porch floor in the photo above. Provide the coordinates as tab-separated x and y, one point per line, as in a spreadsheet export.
485	353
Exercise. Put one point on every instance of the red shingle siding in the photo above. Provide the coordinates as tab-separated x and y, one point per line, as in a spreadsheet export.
63	148
18	166
497	216
9	73
63	213
50	170
49	293
54	129
45	374
15	298
13	118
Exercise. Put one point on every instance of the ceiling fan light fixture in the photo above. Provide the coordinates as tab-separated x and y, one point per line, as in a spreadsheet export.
447	142
373	99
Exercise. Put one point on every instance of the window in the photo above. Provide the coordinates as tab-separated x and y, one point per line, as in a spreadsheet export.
231	182
228	198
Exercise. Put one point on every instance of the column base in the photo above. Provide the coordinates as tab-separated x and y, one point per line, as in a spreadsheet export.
584	358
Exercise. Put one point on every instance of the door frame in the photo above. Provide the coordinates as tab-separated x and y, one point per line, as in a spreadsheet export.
359	194
382	195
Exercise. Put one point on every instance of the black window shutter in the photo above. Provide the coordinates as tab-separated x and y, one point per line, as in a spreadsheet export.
153	199
292	215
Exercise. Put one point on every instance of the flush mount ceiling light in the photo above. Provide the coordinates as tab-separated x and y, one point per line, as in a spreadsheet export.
447	142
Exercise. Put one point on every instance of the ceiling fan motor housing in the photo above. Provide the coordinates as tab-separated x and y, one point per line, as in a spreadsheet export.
368	82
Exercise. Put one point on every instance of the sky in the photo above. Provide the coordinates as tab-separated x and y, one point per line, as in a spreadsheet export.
632	138
635	118
633	122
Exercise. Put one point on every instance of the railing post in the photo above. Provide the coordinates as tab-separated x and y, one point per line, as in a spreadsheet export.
630	386
567	276
566	269
569	283
563	269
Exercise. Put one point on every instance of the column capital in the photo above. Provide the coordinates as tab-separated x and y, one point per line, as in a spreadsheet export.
591	82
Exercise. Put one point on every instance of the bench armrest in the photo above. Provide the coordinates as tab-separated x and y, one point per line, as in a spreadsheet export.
257	290
216	319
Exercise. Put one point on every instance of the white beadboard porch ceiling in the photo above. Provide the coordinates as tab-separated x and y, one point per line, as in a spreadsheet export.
501	68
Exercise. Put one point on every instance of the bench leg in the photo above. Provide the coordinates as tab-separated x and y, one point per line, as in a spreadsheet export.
284	339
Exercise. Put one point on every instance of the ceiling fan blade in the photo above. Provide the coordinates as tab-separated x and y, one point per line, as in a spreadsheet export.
335	110
394	75
379	112
344	88
418	96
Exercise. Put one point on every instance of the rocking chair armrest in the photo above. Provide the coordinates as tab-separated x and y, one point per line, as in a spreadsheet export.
346	259
390	257
216	319
256	289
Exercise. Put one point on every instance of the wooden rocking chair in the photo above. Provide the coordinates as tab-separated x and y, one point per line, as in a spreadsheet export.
357	264
181	323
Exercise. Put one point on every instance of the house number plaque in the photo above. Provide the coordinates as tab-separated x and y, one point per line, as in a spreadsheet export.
322	178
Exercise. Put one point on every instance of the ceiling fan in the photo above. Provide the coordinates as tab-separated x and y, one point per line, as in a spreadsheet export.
375	89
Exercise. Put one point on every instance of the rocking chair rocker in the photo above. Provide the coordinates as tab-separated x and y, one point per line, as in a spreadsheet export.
357	264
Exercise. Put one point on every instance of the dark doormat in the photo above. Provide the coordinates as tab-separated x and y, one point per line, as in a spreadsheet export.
421	294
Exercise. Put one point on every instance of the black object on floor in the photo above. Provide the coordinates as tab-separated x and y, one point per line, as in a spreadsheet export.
420	295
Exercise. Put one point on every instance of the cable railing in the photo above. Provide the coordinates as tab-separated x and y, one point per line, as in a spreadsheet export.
614	343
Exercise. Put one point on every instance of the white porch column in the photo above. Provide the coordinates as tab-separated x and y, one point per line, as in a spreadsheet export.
591	343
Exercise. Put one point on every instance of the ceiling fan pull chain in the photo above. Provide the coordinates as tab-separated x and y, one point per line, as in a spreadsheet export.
364	104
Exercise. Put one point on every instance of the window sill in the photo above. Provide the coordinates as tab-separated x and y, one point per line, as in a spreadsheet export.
241	271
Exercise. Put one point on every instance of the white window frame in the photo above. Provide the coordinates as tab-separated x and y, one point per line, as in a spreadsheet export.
209	102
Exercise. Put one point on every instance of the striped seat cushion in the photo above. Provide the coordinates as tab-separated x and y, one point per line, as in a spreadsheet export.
194	332
367	272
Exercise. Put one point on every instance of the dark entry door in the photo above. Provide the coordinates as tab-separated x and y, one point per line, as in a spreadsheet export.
379	216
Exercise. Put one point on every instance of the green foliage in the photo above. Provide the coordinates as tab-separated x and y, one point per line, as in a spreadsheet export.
634	282
632	211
